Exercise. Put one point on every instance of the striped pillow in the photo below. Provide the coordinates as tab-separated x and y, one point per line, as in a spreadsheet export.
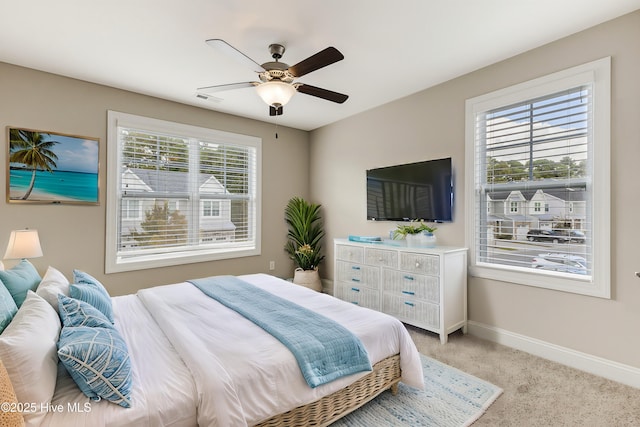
93	296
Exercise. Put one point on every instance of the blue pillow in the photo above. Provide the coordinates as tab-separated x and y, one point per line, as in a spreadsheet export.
74	312
93	296
98	361
87	279
20	279
8	307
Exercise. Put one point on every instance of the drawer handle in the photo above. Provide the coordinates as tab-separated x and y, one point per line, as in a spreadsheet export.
355	267
409	303
355	289
409	277
355	279
408	292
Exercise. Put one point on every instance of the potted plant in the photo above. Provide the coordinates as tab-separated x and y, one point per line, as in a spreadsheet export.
416	233
304	242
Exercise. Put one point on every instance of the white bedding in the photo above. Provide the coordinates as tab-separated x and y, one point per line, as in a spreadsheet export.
200	363
163	393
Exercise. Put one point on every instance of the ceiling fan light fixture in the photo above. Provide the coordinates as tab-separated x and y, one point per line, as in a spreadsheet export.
275	93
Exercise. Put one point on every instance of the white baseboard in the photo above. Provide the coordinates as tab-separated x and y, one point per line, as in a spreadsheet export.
615	371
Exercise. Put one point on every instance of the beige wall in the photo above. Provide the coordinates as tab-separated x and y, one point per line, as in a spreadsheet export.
74	236
430	125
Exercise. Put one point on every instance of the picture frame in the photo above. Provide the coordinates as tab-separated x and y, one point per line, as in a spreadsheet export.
52	168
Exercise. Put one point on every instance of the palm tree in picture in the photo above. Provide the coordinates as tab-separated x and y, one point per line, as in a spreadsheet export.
32	150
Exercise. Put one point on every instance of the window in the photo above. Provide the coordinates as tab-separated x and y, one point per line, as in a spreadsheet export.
210	208
542	143
178	194
131	209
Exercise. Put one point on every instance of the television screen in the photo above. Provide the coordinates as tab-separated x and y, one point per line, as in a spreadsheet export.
413	191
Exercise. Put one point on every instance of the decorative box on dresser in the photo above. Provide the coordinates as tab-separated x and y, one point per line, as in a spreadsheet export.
423	287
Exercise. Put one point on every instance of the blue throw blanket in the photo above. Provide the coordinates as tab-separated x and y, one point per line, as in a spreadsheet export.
324	349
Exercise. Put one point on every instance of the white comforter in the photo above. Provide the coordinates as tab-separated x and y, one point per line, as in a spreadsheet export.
217	361
164	392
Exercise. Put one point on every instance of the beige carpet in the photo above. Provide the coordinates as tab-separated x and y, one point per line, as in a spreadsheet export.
537	392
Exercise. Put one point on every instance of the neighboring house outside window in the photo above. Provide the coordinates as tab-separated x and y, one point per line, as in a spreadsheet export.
195	191
543	143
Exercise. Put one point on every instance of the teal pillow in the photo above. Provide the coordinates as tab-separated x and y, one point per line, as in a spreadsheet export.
20	279
93	296
98	361
87	279
74	312
8	307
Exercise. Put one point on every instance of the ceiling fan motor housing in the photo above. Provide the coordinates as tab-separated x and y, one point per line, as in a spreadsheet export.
276	50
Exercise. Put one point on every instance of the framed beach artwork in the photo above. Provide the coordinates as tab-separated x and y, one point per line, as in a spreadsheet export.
48	167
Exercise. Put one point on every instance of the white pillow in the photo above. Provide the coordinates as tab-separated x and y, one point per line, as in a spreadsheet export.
29	353
52	284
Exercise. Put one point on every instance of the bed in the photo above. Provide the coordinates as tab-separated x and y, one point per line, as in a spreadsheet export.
195	362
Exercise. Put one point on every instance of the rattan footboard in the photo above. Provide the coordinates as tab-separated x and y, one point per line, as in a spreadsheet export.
324	411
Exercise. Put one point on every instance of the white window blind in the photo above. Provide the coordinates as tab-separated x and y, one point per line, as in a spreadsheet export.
538	158
196	190
531	153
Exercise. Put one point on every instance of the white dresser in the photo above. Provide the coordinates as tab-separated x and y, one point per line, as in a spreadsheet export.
423	287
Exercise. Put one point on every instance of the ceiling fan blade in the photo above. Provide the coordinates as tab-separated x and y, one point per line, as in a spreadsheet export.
234	53
230	86
322	93
317	61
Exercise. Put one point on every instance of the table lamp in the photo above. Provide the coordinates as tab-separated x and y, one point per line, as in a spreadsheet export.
23	244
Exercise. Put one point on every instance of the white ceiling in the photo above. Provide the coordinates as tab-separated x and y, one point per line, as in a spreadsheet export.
391	49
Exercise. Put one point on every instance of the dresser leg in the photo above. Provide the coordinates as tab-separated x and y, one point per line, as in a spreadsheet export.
444	337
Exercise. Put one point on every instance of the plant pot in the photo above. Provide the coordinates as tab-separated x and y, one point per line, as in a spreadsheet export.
413	240
308	278
429	239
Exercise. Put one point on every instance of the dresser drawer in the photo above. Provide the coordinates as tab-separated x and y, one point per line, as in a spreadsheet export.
381	257
412	310
408	284
420	263
358	274
350	253
359	295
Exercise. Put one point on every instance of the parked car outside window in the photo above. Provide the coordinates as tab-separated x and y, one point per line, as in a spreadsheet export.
577	236
555	236
560	262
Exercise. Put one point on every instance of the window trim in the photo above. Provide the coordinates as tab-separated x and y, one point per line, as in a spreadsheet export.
598	74
112	263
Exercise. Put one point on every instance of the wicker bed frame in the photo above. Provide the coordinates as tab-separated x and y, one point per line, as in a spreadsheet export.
324	411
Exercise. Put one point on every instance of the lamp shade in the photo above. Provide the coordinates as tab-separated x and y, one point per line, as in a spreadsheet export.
23	244
275	92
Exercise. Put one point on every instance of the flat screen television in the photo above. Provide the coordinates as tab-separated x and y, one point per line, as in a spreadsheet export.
412	191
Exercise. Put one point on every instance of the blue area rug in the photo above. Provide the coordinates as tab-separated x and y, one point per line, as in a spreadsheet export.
451	398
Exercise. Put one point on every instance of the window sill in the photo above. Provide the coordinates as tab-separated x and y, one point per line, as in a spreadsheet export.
572	283
172	258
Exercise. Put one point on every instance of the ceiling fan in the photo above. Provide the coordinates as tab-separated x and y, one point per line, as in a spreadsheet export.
276	85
